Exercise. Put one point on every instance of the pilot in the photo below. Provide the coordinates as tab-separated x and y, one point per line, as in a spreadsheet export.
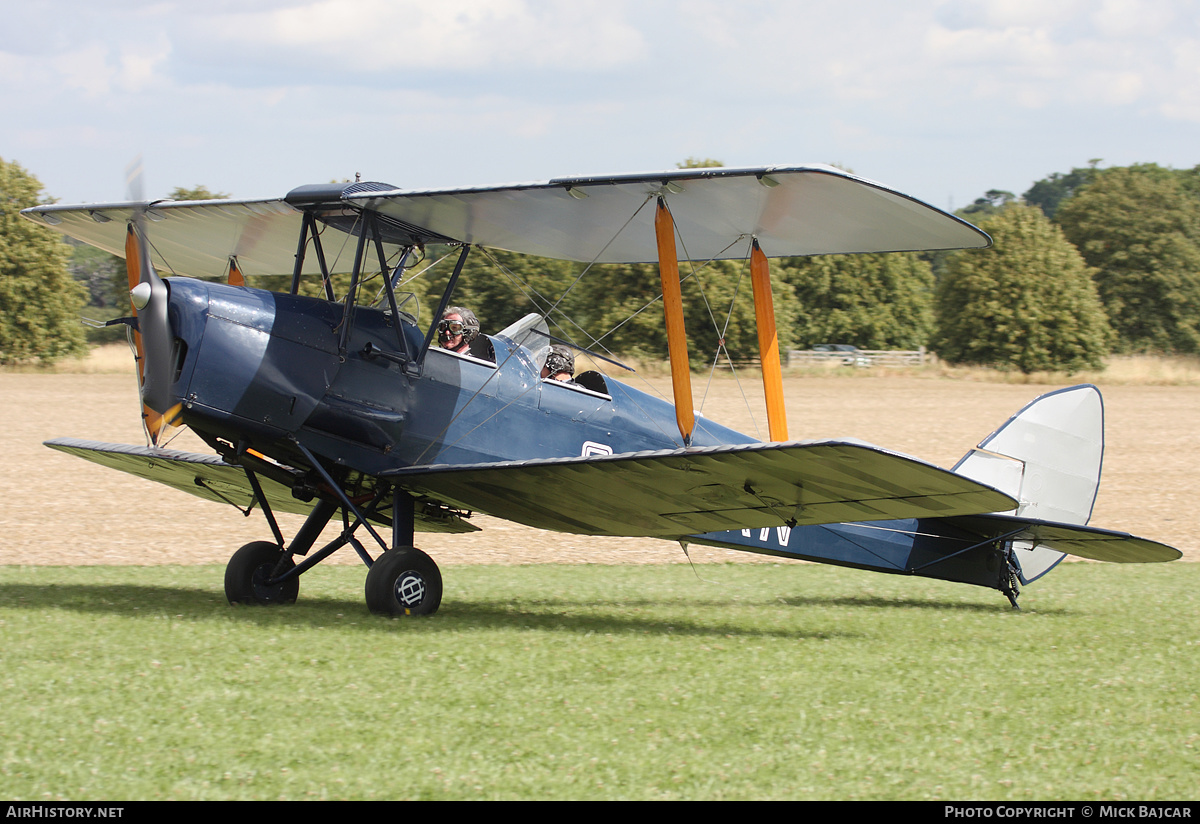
458	331
457	328
559	365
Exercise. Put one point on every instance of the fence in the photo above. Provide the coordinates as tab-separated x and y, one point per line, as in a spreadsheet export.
863	357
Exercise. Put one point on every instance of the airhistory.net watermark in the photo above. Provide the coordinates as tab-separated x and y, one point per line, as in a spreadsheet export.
61	811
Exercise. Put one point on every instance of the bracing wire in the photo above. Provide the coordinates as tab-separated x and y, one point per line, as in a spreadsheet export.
546	316
595	342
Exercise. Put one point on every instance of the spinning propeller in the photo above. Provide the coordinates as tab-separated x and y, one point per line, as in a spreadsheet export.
153	340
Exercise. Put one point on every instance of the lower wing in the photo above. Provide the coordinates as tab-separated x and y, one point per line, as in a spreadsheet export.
674	493
209	477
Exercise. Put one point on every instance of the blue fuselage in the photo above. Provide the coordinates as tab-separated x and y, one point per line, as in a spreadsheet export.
269	367
266	370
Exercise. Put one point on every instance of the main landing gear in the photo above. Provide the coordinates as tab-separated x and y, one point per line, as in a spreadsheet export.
401	581
404	581
257	574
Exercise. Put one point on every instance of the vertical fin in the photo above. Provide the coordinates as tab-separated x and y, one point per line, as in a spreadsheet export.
1048	456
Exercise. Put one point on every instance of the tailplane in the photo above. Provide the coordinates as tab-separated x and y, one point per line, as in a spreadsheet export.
1048	457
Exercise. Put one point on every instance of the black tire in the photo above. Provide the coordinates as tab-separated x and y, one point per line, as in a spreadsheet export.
404	581
250	567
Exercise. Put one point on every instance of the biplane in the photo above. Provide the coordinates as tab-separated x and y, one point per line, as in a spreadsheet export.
343	403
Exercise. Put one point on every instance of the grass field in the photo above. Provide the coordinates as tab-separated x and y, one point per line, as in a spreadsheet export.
608	682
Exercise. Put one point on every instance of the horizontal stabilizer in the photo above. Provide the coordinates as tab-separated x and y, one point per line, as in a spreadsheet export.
1072	539
210	478
674	493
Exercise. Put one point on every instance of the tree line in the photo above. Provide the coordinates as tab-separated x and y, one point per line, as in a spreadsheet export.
1085	263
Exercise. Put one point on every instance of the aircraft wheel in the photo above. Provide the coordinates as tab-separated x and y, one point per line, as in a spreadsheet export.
404	581
248	570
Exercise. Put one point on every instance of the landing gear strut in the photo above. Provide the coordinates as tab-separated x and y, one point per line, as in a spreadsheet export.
402	581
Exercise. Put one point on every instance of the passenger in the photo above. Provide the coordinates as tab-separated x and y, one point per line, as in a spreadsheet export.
560	365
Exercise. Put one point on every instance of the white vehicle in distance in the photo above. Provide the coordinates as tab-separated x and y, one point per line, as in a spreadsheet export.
851	355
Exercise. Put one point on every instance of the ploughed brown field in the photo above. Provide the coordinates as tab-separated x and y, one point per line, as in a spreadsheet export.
61	510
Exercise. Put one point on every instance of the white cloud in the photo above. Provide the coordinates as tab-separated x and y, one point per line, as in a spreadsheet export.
1125	19
518	89
95	69
992	14
457	35
1071	54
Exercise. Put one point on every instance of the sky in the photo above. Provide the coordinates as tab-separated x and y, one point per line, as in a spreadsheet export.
940	99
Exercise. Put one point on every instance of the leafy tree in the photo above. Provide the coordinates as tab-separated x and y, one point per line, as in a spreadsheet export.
1189	179
1027	304
1139	227
875	301
502	287
39	301
106	285
699	163
197	192
1050	192
992	201
720	314
101	274
619	305
615	306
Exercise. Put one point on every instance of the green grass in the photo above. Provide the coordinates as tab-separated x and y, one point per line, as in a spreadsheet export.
547	682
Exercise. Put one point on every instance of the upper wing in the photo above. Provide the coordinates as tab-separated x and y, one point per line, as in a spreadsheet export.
209	477
798	210
794	210
674	493
192	238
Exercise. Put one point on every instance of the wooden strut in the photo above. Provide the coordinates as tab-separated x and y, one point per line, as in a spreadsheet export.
668	269
236	278
768	343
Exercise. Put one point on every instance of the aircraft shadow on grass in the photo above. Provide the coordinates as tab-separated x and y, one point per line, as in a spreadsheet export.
536	614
